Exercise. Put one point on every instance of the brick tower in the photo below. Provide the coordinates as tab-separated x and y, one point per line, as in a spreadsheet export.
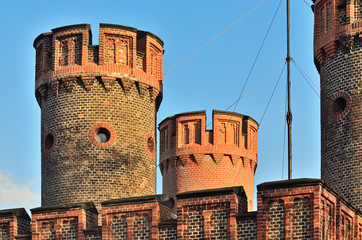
192	158
98	112
338	58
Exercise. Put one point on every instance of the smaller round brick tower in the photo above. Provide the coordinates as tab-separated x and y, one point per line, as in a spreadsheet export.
193	158
338	58
98	112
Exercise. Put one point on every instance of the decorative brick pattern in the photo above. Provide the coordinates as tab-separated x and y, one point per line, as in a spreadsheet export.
168	230
302	219
142	228
276	222
47	231
119	228
88	87
338	59
69	230
4	231
194	223
192	158
247	226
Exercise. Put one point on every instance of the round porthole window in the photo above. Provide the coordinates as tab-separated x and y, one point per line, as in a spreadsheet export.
151	144
339	104
103	135
49	142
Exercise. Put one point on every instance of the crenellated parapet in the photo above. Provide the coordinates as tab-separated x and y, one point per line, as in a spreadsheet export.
338	24
98	112
193	158
125	56
338	52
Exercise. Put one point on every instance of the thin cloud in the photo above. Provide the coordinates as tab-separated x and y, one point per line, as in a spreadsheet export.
16	195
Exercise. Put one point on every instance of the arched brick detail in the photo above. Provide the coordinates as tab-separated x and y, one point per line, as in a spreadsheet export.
45	149
347	98
94	130
150	151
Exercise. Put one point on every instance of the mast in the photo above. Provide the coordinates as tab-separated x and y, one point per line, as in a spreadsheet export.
289	113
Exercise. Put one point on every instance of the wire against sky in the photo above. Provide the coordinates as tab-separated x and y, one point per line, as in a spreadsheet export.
257	55
215	37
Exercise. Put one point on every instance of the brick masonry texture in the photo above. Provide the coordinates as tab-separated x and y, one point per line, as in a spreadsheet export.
247	226
82	88
99	107
193	158
338	54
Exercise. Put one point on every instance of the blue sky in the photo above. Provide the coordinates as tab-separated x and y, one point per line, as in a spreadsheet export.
210	79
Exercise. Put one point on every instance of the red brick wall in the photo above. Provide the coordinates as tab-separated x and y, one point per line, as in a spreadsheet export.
338	51
193	158
304	208
133	218
62	222
210	214
14	223
82	88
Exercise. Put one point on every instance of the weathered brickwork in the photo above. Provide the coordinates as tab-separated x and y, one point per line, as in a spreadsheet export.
276	220
87	92
168	230
63	221
247	226
302	223
99	107
4	231
304	209
193	158
14	223
338	51
209	214
134	218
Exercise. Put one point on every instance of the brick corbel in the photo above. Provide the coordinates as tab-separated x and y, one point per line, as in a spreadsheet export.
108	82
207	224
199	157
142	89
88	82
69	83
153	93
127	84
218	157
130	227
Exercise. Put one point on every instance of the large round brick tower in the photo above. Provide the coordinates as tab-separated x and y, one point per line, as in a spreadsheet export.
193	158
98	112
338	57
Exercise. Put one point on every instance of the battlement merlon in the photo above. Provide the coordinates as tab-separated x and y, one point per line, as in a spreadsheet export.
123	53
337	23
232	133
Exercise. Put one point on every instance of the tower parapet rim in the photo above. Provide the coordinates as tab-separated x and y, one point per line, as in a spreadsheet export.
124	55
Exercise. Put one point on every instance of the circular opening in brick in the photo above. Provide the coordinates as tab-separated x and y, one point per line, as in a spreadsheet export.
339	104
49	141
102	135
151	144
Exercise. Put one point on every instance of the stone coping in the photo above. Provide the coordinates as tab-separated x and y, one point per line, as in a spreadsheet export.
168	223
203	112
66	207
93	230
16	212
247	215
160	198
305	182
212	192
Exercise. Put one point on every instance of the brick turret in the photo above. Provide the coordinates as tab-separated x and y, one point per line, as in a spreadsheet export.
338	54
98	112
192	158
